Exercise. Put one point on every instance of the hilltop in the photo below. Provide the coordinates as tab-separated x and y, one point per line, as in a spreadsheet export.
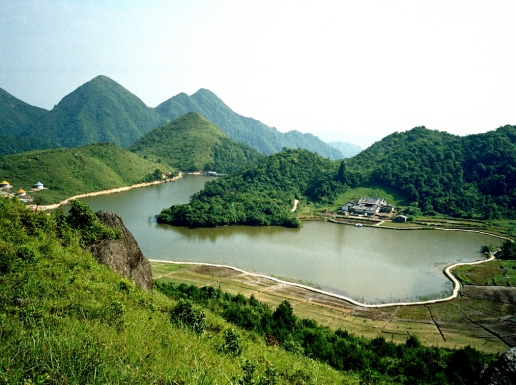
100	110
69	171
252	132
15	117
470	176
432	172
192	143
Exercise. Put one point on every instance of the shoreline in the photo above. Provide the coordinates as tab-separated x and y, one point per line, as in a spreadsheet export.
457	286
377	226
106	192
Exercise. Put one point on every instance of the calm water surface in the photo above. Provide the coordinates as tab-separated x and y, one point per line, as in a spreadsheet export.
366	264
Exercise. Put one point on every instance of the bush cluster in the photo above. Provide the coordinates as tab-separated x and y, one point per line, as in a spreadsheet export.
375	360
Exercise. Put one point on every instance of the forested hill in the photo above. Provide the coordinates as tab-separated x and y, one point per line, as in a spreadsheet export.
192	143
466	176
252	132
261	193
16	116
100	110
472	176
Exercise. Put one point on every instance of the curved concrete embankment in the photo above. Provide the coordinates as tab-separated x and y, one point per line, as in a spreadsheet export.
104	192
447	271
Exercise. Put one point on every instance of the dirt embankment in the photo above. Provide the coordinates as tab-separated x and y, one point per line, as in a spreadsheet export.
104	192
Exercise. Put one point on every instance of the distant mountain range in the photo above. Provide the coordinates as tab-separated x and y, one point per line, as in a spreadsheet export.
347	149
101	110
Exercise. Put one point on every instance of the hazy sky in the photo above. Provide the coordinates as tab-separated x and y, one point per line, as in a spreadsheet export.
344	70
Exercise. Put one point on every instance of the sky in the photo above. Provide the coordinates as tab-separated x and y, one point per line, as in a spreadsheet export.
351	71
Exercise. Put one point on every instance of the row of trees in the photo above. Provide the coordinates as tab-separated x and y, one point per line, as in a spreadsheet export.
377	361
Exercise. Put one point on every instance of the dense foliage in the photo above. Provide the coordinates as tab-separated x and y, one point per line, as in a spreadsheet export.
67	172
262	193
442	173
267	140
65	319
377	360
192	143
508	250
14	144
16	115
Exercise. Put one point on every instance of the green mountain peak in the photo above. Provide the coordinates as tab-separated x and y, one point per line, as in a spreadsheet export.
192	143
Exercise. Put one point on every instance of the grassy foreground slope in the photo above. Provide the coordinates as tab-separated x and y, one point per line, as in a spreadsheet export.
70	171
66	319
192	143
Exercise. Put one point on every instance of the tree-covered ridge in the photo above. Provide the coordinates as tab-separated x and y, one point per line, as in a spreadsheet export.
100	110
70	171
15	144
466	176
252	132
16	115
261	193
192	143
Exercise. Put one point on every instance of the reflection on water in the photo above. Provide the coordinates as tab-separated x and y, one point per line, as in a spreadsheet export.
375	265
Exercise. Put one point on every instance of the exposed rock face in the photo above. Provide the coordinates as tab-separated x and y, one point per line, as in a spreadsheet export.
122	255
502	372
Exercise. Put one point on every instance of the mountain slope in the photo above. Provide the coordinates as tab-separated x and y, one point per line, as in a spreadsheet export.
16	115
71	171
100	110
192	143
14	144
347	149
267	140
439	172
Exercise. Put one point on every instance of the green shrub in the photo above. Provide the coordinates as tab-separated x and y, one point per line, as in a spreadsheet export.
186	315
232	343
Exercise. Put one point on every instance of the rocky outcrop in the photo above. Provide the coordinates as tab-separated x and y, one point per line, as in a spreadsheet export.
502	372
122	255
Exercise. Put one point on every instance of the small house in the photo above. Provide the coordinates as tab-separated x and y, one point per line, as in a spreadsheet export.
38	186
348	206
20	193
400	218
5	184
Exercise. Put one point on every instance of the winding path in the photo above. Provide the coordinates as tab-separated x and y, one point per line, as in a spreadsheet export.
447	271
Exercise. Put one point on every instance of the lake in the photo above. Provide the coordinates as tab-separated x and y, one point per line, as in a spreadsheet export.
370	265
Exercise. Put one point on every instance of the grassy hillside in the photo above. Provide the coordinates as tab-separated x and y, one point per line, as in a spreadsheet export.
69	171
192	143
252	132
100	110
67	320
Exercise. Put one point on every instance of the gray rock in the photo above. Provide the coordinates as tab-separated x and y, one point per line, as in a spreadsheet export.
502	372
123	256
